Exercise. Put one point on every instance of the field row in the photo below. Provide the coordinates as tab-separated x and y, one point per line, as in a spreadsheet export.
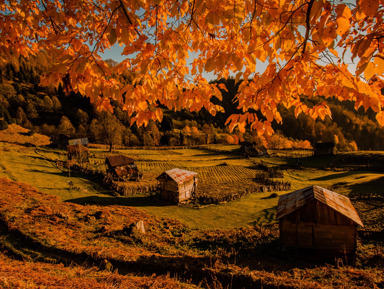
155	166
224	174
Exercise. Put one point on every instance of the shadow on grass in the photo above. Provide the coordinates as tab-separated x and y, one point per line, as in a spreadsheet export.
316	161
39	158
373	187
336	176
58	173
94	180
136	201
271	196
269	216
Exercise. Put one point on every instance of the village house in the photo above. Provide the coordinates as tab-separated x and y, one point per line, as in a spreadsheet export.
250	149
120	167
78	152
177	185
319	219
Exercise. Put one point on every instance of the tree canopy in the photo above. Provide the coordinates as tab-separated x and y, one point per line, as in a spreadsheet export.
169	44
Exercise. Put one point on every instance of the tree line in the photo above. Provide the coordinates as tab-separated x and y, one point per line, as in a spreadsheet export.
52	111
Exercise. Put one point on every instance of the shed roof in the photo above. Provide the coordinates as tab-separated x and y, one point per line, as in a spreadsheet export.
76	148
289	203
119	160
179	175
82	141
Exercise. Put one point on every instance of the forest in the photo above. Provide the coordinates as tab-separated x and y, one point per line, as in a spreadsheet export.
53	111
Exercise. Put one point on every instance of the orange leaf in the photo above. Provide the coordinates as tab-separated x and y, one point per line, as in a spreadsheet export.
369	70
343	25
223	87
112	36
316	10
379	69
380	118
368	7
343	10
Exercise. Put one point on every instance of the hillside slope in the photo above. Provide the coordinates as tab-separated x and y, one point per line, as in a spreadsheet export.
37	226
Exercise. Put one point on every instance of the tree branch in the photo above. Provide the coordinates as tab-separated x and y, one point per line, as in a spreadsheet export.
308	25
127	16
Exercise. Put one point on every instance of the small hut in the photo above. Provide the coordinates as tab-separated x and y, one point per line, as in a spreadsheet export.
324	148
250	149
122	167
319	219
177	185
79	141
59	141
78	152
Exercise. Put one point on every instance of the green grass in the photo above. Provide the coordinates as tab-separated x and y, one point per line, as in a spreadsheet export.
25	165
30	167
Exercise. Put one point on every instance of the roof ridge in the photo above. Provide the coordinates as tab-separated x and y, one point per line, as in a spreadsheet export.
299	198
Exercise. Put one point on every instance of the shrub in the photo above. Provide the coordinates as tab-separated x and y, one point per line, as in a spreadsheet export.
3	124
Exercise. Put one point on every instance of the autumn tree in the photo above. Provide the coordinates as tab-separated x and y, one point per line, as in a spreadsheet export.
66	127
169	45
110	129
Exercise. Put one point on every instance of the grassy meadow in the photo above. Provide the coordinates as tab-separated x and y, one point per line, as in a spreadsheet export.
36	166
232	244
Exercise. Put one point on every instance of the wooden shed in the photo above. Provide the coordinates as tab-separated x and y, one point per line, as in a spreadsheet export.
250	149
319	219
177	185
324	148
78	153
120	167
59	141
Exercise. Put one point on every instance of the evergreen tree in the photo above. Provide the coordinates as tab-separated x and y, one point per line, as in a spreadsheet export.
4	114
21	117
47	104
56	104
3	124
31	111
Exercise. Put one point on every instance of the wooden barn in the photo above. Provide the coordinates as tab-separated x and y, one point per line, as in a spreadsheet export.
120	167
324	148
78	152
319	219
177	185
60	141
250	149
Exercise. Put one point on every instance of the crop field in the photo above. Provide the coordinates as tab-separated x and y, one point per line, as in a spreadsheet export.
219	174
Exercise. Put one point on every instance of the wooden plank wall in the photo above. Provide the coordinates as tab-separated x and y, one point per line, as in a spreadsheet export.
317	226
320	237
185	190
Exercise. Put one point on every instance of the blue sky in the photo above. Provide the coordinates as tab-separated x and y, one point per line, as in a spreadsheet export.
115	54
